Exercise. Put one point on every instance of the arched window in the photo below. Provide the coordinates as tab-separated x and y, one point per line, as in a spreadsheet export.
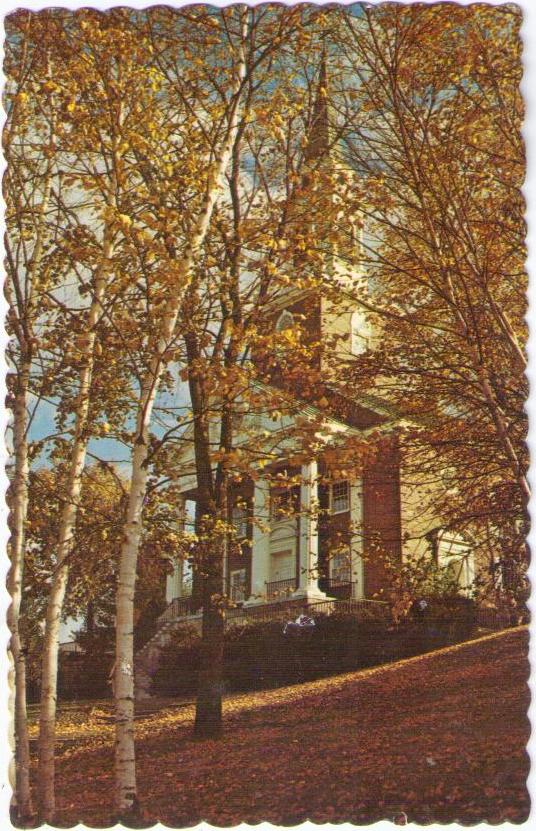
284	321
359	342
455	555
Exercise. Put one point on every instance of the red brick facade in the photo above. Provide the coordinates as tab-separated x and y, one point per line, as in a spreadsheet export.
381	514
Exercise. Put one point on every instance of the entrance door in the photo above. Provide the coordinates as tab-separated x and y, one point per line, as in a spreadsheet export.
282	565
282	573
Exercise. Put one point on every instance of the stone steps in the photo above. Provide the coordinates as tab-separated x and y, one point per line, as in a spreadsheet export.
147	658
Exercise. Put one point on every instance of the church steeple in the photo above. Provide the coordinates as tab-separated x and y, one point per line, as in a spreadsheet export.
321	300
320	142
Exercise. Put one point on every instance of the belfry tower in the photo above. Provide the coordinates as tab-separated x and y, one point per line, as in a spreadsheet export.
322	300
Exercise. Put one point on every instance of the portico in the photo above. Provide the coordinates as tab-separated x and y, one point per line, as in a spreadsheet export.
285	551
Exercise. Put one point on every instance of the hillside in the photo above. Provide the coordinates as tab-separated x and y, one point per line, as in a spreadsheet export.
440	737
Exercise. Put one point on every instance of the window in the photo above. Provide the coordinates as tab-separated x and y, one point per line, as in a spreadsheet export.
284	321
340	571
237	580
359	343
455	556
282	565
340	497
284	502
187	579
240	521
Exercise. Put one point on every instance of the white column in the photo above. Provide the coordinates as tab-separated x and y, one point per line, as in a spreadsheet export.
174	580
356	539
308	540
260	549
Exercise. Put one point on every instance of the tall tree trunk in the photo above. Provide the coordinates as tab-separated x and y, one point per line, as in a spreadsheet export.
22	308
90	618
208	709
125	759
213	506
124	690
214	502
208	712
15	584
49	673
209	701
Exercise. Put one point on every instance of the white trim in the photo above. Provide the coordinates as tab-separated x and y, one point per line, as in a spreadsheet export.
359	343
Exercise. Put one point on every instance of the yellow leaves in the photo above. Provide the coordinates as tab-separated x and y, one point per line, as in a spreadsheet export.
262	116
50	87
124	220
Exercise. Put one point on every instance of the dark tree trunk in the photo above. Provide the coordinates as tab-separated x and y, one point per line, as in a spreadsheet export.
208	566
90	619
208	715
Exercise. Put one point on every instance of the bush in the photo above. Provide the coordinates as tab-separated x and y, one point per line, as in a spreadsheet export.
179	664
85	674
260	656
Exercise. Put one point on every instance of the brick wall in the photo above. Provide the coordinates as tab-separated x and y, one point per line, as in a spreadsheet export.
381	514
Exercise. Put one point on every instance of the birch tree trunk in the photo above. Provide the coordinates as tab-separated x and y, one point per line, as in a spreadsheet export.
49	675
15	585
125	761
22	310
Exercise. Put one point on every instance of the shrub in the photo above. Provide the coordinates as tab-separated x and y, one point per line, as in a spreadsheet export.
84	675
260	656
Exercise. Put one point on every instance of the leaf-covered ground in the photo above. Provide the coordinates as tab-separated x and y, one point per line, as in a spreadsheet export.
440	737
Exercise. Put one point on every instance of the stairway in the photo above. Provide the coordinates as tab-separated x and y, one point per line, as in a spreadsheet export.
147	658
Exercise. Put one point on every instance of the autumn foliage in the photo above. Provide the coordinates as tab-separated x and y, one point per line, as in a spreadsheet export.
175	178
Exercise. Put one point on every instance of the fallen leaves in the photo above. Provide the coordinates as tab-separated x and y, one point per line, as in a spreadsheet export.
307	752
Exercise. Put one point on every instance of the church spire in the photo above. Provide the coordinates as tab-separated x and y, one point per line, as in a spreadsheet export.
319	146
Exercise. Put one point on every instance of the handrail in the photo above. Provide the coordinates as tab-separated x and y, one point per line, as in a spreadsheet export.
279	593
277	588
179	607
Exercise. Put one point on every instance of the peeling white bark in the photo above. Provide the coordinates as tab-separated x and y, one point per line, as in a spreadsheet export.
49	676
15	585
125	762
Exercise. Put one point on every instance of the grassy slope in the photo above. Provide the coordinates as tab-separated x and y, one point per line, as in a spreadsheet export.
440	737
